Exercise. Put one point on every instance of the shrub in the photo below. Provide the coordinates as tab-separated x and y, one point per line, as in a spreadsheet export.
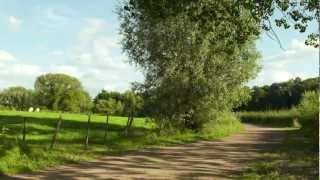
309	114
4	108
224	123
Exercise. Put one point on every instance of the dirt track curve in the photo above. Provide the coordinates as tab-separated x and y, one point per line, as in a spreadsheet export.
219	159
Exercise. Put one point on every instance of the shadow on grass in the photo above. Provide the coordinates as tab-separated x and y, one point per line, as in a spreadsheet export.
204	159
41	130
296	158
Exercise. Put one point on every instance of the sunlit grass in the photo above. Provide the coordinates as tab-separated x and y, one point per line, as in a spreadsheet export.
280	118
16	157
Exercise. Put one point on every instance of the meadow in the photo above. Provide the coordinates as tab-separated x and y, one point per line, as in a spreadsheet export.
35	153
273	118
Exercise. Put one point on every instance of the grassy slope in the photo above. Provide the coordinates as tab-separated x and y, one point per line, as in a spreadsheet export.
15	158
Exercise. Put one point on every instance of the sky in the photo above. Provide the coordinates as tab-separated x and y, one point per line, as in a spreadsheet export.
80	38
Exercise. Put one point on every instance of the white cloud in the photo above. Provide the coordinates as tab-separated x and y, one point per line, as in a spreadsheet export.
14	23
66	69
296	61
97	56
51	19
95	60
56	54
92	27
18	74
6	56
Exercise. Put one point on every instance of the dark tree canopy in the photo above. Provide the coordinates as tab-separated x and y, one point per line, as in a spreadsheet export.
283	95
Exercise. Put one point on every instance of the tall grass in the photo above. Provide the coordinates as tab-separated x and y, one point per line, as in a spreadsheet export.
281	118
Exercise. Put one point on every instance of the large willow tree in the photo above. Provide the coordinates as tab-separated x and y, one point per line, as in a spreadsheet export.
196	55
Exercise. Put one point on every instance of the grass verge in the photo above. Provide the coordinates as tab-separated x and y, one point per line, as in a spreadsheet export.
295	160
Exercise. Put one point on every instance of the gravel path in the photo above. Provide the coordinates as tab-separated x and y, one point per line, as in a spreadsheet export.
219	159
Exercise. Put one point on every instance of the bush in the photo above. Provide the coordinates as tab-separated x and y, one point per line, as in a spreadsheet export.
4	108
309	114
225	123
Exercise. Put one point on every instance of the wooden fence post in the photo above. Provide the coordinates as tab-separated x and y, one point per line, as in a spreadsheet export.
127	126
55	135
88	131
106	129
24	131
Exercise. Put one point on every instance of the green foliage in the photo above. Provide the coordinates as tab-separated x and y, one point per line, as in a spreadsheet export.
132	103
60	92
281	118
223	124
119	104
195	63
18	98
277	96
309	115
70	143
106	106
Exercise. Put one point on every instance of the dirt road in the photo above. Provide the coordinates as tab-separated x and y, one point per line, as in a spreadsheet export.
219	159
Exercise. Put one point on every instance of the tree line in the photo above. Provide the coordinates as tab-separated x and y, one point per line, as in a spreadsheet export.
284	95
61	92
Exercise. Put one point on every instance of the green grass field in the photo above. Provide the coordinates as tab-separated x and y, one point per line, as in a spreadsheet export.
70	147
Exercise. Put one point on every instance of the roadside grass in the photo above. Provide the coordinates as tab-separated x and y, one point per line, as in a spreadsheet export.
295	160
280	118
16	157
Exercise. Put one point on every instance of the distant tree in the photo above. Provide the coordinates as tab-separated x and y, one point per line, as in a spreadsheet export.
61	92
119	108
18	98
283	95
106	107
86	104
132	104
101	95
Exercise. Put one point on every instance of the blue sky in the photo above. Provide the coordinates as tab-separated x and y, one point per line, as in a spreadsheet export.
80	38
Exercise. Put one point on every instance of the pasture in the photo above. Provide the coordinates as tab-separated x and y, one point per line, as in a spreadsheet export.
69	147
35	153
